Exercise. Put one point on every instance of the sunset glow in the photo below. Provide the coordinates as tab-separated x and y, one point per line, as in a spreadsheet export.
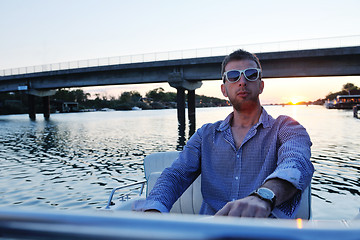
295	100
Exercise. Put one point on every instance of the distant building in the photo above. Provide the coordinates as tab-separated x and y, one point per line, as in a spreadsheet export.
65	107
344	102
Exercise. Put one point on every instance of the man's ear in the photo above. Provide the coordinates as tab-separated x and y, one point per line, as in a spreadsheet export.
261	86
223	90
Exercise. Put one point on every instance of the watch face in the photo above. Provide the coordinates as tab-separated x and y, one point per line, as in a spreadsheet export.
266	193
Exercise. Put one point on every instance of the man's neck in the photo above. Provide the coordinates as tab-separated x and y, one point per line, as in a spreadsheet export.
246	118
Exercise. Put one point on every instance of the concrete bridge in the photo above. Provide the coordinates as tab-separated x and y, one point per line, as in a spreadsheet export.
183	74
302	63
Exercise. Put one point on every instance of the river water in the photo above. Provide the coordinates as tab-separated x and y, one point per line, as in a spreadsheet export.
74	160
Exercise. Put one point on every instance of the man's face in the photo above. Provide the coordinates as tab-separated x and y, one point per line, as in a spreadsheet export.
243	93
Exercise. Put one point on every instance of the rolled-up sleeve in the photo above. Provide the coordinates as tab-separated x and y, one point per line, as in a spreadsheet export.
293	164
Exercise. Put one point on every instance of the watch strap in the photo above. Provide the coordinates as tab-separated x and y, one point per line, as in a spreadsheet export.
271	201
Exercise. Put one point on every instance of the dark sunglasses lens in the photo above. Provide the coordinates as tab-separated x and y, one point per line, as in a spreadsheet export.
251	74
233	76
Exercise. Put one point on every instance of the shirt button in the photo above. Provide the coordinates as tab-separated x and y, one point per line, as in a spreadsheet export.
236	178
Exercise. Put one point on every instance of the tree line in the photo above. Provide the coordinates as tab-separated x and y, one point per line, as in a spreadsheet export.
17	102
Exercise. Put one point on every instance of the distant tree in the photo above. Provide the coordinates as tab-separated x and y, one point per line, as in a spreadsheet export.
351	88
77	95
125	97
98	102
332	96
159	95
80	95
171	96
135	96
130	97
64	95
156	94
348	88
210	101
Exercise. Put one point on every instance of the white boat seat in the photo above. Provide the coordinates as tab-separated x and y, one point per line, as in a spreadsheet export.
191	200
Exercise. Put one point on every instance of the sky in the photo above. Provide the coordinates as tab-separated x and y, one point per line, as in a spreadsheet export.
39	32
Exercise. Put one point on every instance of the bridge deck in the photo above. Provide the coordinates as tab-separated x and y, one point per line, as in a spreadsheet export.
305	63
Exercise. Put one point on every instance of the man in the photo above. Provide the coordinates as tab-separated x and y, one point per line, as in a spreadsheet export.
251	165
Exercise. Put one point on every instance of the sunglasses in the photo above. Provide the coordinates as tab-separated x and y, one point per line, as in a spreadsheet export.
250	74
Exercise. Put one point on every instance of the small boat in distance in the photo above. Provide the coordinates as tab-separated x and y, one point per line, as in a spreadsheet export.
343	102
107	110
136	108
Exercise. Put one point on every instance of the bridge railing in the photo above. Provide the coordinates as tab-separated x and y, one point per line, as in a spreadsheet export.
317	43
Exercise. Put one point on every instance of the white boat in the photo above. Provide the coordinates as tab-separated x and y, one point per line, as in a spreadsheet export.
117	222
25	224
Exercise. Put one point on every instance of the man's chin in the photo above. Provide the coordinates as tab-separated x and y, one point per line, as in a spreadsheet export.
244	105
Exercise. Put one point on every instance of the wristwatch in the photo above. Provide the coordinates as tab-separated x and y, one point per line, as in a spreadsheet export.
266	195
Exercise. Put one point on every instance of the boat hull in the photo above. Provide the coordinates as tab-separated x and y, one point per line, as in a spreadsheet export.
132	225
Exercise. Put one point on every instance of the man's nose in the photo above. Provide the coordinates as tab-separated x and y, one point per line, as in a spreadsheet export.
242	80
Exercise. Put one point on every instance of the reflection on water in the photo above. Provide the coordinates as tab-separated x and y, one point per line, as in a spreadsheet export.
74	160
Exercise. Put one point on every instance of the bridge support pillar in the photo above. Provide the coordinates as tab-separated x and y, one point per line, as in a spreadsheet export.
180	100
191	111
177	81
46	107
31	107
45	95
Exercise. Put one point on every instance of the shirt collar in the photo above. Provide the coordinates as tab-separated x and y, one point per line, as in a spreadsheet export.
265	119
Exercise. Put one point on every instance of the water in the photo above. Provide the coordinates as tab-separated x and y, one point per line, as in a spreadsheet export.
74	160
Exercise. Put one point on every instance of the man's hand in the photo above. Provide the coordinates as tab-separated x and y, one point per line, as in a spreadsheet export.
152	210
253	206
250	206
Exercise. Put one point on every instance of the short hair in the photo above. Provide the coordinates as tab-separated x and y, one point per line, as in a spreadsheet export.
239	55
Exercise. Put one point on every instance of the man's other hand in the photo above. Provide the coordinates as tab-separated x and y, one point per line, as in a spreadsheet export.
250	206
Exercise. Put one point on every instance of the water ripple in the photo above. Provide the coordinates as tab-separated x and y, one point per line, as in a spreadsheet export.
74	160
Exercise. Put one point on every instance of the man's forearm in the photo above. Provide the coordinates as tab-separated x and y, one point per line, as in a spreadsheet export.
283	189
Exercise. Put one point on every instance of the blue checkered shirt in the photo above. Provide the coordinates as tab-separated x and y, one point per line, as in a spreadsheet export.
273	148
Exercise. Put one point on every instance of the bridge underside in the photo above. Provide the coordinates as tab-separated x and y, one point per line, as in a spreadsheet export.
312	63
